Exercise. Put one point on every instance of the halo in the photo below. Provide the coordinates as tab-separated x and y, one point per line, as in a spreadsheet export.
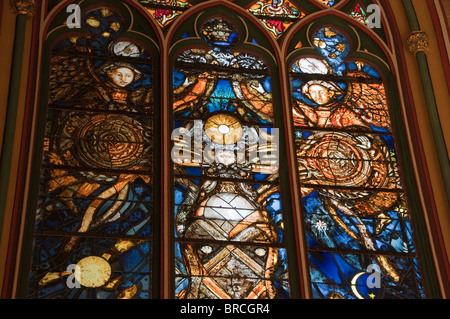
223	129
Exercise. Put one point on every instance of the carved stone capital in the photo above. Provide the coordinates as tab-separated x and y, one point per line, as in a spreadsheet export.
25	7
417	42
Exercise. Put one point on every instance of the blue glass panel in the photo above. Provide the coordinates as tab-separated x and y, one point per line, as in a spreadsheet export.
355	212
95	203
227	202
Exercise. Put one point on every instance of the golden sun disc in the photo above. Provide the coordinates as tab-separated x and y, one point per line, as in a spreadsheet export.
223	129
93	271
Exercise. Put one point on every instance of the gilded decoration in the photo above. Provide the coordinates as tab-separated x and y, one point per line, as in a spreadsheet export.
25	7
417	42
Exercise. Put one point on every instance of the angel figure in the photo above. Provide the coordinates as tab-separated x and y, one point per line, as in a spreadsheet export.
324	104
96	180
341	152
98	139
85	82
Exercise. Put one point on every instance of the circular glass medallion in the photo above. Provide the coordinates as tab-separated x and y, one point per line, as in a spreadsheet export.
93	271
223	129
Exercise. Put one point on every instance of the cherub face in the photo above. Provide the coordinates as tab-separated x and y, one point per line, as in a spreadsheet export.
122	76
320	94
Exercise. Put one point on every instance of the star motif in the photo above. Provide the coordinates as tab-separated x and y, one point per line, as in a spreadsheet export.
330	33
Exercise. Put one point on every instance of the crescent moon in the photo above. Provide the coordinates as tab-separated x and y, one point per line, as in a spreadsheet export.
353	285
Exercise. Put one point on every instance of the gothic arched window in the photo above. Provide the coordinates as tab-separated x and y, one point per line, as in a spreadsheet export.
220	149
93	228
229	236
355	211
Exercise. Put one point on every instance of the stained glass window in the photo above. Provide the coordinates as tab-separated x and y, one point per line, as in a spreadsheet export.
229	231
165	11
276	15
354	206
230	223
359	14
93	222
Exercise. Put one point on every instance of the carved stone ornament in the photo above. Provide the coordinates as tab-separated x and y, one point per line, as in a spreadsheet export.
418	41
25	7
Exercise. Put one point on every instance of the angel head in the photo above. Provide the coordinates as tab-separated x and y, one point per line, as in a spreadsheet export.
121	74
321	92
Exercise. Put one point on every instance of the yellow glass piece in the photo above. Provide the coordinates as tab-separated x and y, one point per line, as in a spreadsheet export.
106	12
335	295
112	283
330	33
223	129
340	47
124	245
93	22
128	293
49	277
115	26
93	271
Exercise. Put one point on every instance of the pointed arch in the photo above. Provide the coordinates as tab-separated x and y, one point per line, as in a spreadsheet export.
189	237
332	57
93	162
231	76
